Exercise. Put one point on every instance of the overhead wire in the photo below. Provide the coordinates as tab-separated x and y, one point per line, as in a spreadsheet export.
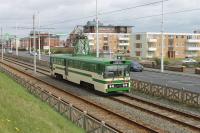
106	13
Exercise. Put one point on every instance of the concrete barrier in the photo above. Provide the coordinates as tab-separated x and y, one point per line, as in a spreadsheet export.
170	68
176	68
197	71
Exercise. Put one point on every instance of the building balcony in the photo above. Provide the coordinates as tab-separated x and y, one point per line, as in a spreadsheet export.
150	56
124	38
123	44
152	40
193	40
189	48
191	55
91	44
152	49
90	38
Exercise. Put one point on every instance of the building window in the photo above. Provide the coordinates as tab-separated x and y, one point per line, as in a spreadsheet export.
138	53
138	45
105	38
105	48
123	41
137	37
189	37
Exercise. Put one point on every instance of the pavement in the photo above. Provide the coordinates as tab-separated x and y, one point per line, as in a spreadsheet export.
173	72
189	82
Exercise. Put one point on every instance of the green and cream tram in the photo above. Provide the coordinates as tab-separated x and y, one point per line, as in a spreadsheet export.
105	75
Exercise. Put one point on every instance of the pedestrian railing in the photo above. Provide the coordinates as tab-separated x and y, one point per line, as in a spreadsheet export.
179	95
80	118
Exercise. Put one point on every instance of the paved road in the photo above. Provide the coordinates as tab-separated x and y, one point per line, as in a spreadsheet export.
191	83
26	54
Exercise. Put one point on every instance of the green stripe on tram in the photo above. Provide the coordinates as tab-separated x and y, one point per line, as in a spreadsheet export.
118	89
81	73
58	67
97	80
105	82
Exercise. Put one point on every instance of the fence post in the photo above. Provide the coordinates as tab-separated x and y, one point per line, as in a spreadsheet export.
182	95
59	100
165	91
102	126
70	111
150	88
84	119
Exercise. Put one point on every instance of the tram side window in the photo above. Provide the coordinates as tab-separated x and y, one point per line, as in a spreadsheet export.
70	63
77	64
93	67
100	68
59	61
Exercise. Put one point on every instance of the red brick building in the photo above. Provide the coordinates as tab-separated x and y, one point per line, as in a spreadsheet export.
45	38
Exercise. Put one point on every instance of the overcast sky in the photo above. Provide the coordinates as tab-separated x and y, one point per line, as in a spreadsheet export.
57	13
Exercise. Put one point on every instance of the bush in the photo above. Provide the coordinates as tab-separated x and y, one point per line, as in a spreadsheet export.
158	61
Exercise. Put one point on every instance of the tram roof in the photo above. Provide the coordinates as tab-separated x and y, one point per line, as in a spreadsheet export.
83	58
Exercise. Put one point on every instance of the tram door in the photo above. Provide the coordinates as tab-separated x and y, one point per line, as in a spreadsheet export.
66	67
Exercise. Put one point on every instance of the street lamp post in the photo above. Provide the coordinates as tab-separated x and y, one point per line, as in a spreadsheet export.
162	43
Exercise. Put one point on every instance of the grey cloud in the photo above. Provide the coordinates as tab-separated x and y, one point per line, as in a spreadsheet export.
54	11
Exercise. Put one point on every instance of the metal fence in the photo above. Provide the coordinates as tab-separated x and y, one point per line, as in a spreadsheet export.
77	116
179	95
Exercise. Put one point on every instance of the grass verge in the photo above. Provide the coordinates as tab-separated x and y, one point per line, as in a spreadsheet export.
23	113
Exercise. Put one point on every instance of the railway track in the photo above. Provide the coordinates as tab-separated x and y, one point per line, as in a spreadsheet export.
185	119
41	70
113	119
170	114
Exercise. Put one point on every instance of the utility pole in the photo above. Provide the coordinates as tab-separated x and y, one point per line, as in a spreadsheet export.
97	31
34	46
39	52
49	44
162	43
2	44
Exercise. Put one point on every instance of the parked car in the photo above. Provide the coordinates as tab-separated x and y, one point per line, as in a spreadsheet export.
136	67
33	53
9	51
189	60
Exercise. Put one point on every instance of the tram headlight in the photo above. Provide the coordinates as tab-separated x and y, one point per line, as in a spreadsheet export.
111	86
125	85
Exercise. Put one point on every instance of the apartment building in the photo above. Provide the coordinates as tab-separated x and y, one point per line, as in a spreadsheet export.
176	45
111	38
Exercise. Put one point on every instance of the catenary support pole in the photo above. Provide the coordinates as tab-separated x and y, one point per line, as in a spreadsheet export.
97	31
49	44
34	45
16	45
39	50
2	44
